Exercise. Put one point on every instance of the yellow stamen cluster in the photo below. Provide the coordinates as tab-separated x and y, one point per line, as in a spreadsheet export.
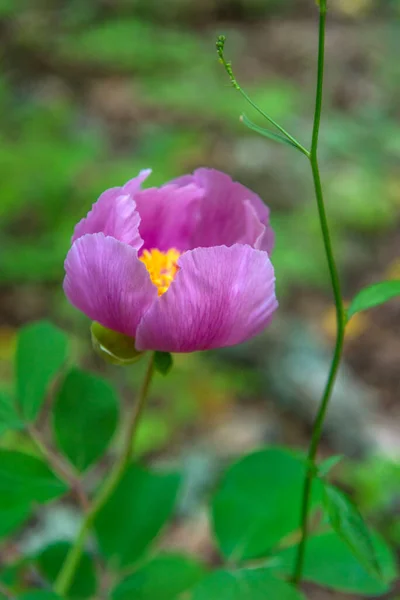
162	267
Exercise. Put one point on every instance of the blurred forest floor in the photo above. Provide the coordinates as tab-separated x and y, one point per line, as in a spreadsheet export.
91	92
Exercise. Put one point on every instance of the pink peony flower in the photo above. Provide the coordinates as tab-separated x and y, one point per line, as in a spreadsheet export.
180	268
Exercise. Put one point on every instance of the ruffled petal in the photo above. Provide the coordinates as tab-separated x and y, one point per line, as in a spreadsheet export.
262	211
135	184
220	297
106	281
266	240
169	216
115	214
229	213
263	234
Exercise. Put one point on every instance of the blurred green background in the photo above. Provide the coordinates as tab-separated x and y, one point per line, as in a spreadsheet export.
92	91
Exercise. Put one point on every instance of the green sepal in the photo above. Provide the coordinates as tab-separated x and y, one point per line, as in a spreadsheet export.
163	362
115	348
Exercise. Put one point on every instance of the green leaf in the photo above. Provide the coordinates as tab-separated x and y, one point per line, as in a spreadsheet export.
39	595
327	465
135	514
85	417
348	523
115	348
330	562
12	517
163	362
163	577
9	418
41	352
25	479
376	294
50	561
246	584
257	503
276	137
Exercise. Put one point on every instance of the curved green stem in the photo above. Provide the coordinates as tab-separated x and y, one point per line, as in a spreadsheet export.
340	311
228	68
70	565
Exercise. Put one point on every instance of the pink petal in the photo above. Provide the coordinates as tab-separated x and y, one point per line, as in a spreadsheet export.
261	209
169	216
230	213
135	185
221	296
115	215
266	240
262	234
106	281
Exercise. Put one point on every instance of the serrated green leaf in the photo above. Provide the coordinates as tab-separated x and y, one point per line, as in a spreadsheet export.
327	465
134	515
330	562
348	523
85	417
163	362
276	137
41	352
166	577
9	418
246	584
257	503
25	479
374	295
84	582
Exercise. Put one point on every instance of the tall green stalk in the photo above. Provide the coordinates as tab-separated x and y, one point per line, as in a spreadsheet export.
340	311
68	570
312	156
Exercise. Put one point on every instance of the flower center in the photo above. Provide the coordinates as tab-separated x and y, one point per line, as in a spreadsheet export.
162	267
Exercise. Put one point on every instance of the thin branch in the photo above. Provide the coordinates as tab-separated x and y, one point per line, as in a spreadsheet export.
228	68
340	310
60	467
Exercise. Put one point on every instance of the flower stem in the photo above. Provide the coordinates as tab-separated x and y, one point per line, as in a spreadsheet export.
68	570
340	311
